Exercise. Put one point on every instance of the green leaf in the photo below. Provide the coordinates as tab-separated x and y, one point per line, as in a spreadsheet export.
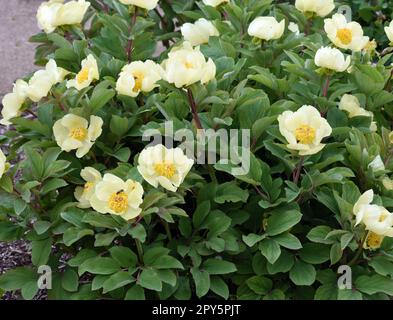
72	235
219	287
41	226
318	235
346	294
327	291
99	265
70	280
149	279
167	262
40	251
117	280
124	256
374	284
135	293
252	239
217	266
29	290
230	192
138	232
52	185
260	285
382	266
202	281
282	220
16	278
270	249
315	253
201	213
302	274
288	240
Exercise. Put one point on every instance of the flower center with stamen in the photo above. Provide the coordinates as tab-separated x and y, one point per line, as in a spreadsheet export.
305	134
78	133
88	186
166	170
189	65
83	75
374	240
345	35
138	77
118	202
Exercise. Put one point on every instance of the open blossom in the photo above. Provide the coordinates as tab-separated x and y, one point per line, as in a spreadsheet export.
84	194
320	7
345	35
304	130
115	196
42	81
54	13
389	31
266	28
139	77
166	167
332	59
74	132
199	32
187	65
145	4
12	102
214	3
3	161
377	220
88	73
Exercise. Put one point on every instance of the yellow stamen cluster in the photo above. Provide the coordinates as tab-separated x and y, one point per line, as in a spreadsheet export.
166	170
374	241
83	75
345	35
78	133
138	76
305	134
118	202
88	186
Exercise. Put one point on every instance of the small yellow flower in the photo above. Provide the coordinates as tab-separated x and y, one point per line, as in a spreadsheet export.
345	35
84	194
88	73
187	65
304	130
166	167
199	32
266	28
12	102
115	196
320	7
139	76
377	220
3	161
332	59
74	132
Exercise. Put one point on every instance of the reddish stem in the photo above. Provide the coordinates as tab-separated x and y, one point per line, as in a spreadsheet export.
194	109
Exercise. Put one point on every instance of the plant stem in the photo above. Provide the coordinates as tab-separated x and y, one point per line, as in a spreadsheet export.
31	112
359	252
193	107
139	249
131	41
296	173
211	173
167	229
326	87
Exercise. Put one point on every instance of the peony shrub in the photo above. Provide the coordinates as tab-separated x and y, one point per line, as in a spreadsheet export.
114	216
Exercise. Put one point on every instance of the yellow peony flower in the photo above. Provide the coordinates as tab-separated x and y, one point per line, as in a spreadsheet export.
138	77
304	130
345	35
166	167
88	73
389	32
54	13
145	4
320	7
332	59
266	28
43	80
351	104
199	32
377	220
214	3
84	194
187	65
115	196
3	161
74	132
12	102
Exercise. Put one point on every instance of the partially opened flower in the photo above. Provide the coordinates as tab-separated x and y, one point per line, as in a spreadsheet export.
75	133
137	77
377	164
12	102
86	75
304	130
332	59
294	27
145	4
199	32
389	31
377	220
3	161
84	194
345	35
54	13
214	3
319	7
166	167
266	28
43	80
187	65
351	104
115	196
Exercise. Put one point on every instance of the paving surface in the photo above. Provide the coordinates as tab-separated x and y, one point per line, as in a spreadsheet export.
17	24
